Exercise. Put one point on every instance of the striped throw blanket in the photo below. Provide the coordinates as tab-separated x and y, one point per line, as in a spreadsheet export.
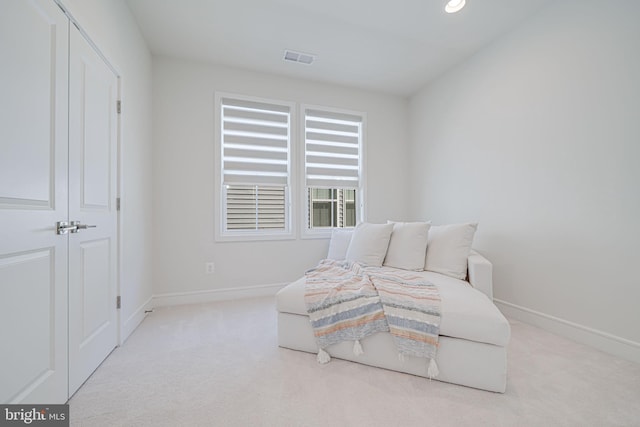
347	302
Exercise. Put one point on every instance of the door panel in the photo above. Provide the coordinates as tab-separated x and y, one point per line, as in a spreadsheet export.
92	194
98	92
30	35
97	303
33	196
28	274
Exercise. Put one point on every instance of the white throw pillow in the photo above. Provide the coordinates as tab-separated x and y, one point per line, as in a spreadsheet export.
339	244
408	245
448	249
369	243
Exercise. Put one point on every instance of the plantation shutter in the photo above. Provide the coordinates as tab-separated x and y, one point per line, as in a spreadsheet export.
251	207
332	149
255	143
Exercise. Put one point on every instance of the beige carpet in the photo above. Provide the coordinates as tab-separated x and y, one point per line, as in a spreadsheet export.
219	364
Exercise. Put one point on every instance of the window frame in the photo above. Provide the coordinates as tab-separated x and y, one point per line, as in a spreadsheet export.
221	234
303	209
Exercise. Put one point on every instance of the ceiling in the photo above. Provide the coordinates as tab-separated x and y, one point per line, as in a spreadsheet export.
387	46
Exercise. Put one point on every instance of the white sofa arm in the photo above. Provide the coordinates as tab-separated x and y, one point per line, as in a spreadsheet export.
481	273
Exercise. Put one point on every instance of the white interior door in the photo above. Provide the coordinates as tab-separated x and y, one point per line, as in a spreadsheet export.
33	197
92	202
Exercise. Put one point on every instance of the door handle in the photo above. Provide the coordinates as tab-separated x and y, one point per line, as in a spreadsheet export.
79	226
63	227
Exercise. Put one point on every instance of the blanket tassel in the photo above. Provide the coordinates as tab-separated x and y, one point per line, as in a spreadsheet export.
323	357
357	348
433	371
401	357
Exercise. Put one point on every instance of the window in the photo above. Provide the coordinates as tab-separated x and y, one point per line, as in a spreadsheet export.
331	207
333	169
255	175
255	167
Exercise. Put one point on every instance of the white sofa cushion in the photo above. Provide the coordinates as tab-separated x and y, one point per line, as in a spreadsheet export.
340	239
466	312
408	245
369	243
448	248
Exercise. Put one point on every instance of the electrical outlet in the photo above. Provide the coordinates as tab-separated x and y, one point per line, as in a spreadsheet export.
210	267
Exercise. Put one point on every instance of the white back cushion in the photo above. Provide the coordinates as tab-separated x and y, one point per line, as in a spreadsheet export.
408	245
369	243
339	244
448	248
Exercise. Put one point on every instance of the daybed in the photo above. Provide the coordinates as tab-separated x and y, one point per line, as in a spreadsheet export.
473	333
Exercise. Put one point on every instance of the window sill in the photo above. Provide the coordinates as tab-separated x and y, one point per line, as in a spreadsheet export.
323	234
254	237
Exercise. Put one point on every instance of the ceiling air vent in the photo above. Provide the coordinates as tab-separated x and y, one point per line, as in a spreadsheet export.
303	58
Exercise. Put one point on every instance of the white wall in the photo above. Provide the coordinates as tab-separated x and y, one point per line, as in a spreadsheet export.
538	138
183	175
112	28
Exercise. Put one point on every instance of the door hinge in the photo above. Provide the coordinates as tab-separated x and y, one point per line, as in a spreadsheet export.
118	302
117	203
119	106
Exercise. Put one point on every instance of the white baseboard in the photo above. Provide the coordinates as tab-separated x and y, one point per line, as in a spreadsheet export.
600	340
134	320
211	295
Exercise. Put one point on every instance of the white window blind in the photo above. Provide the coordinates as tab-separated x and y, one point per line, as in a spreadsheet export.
332	149
255	165
255	143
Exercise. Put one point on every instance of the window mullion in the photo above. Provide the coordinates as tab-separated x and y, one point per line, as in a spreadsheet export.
257	210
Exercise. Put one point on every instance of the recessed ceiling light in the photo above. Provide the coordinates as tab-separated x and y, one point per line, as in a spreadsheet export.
303	58
454	6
